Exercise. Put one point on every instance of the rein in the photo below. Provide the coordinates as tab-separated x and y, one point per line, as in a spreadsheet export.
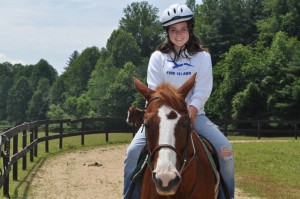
151	100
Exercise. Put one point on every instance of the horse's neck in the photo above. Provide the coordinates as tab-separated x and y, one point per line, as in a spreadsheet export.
194	144
140	113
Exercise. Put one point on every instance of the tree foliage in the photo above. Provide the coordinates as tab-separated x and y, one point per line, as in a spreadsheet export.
258	82
6	82
79	73
254	45
122	47
18	84
223	23
38	106
141	20
42	70
280	15
119	94
17	101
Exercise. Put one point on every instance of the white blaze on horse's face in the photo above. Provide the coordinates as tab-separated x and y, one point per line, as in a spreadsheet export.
166	163
128	115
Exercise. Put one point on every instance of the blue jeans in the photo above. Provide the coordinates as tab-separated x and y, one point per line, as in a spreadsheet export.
205	128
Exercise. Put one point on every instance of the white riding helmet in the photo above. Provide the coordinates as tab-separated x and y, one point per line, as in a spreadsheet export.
176	13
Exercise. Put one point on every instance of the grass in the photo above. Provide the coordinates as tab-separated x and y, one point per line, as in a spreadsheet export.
267	170
244	137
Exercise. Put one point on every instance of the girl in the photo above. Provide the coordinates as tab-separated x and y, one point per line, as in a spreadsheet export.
174	61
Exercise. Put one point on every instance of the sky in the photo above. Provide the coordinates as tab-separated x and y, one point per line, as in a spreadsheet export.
31	30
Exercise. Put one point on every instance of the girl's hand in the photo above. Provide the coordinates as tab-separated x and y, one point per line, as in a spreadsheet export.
193	111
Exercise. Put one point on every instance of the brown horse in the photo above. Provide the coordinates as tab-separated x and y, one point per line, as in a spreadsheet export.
136	116
178	166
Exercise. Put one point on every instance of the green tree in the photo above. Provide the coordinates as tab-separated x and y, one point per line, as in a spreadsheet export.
142	22
70	106
58	90
42	70
17	101
6	82
78	75
83	108
280	15
120	94
224	23
283	101
56	112
230	79
260	77
123	48
39	103
191	4
72	58
23	71
249	103
101	78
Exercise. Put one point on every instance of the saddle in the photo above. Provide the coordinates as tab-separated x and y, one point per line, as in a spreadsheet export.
213	155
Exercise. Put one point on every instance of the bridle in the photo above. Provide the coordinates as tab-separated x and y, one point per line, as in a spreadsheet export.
181	155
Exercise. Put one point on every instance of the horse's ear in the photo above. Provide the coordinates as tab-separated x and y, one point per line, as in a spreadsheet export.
142	88
187	86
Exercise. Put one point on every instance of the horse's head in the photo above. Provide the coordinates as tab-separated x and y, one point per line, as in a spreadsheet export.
130	115
135	115
167	131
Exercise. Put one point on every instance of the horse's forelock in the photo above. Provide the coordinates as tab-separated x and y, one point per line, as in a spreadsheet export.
169	95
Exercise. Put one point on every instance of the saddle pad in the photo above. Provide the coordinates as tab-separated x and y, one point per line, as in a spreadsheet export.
138	173
210	152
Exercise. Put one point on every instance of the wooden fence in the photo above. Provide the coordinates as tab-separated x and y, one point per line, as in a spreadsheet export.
259	128
32	129
109	125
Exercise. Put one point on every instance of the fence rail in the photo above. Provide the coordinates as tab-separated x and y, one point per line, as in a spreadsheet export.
11	161
109	125
259	127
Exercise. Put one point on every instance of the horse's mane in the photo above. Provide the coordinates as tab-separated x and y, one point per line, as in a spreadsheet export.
169	95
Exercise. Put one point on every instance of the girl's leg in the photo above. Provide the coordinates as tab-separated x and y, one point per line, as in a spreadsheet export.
131	158
211	132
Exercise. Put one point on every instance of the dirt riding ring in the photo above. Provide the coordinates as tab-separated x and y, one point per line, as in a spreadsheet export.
85	173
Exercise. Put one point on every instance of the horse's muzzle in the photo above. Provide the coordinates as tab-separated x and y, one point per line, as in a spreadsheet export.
166	183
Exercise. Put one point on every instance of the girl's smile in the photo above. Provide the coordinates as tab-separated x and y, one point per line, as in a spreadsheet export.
179	34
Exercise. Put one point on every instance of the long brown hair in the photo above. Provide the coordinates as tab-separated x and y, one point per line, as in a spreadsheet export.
192	46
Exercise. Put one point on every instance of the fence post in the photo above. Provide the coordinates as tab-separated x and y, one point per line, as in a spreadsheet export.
225	127
15	151
60	133
82	129
47	141
24	159
258	130
295	131
36	129
6	170
133	132
31	140
106	135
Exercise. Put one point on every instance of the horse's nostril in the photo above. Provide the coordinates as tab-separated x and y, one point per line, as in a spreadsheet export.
166	180
154	177
177	180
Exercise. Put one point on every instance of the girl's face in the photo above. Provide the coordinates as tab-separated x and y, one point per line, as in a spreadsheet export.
179	34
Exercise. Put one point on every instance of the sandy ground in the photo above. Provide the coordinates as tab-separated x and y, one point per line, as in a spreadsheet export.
85	174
